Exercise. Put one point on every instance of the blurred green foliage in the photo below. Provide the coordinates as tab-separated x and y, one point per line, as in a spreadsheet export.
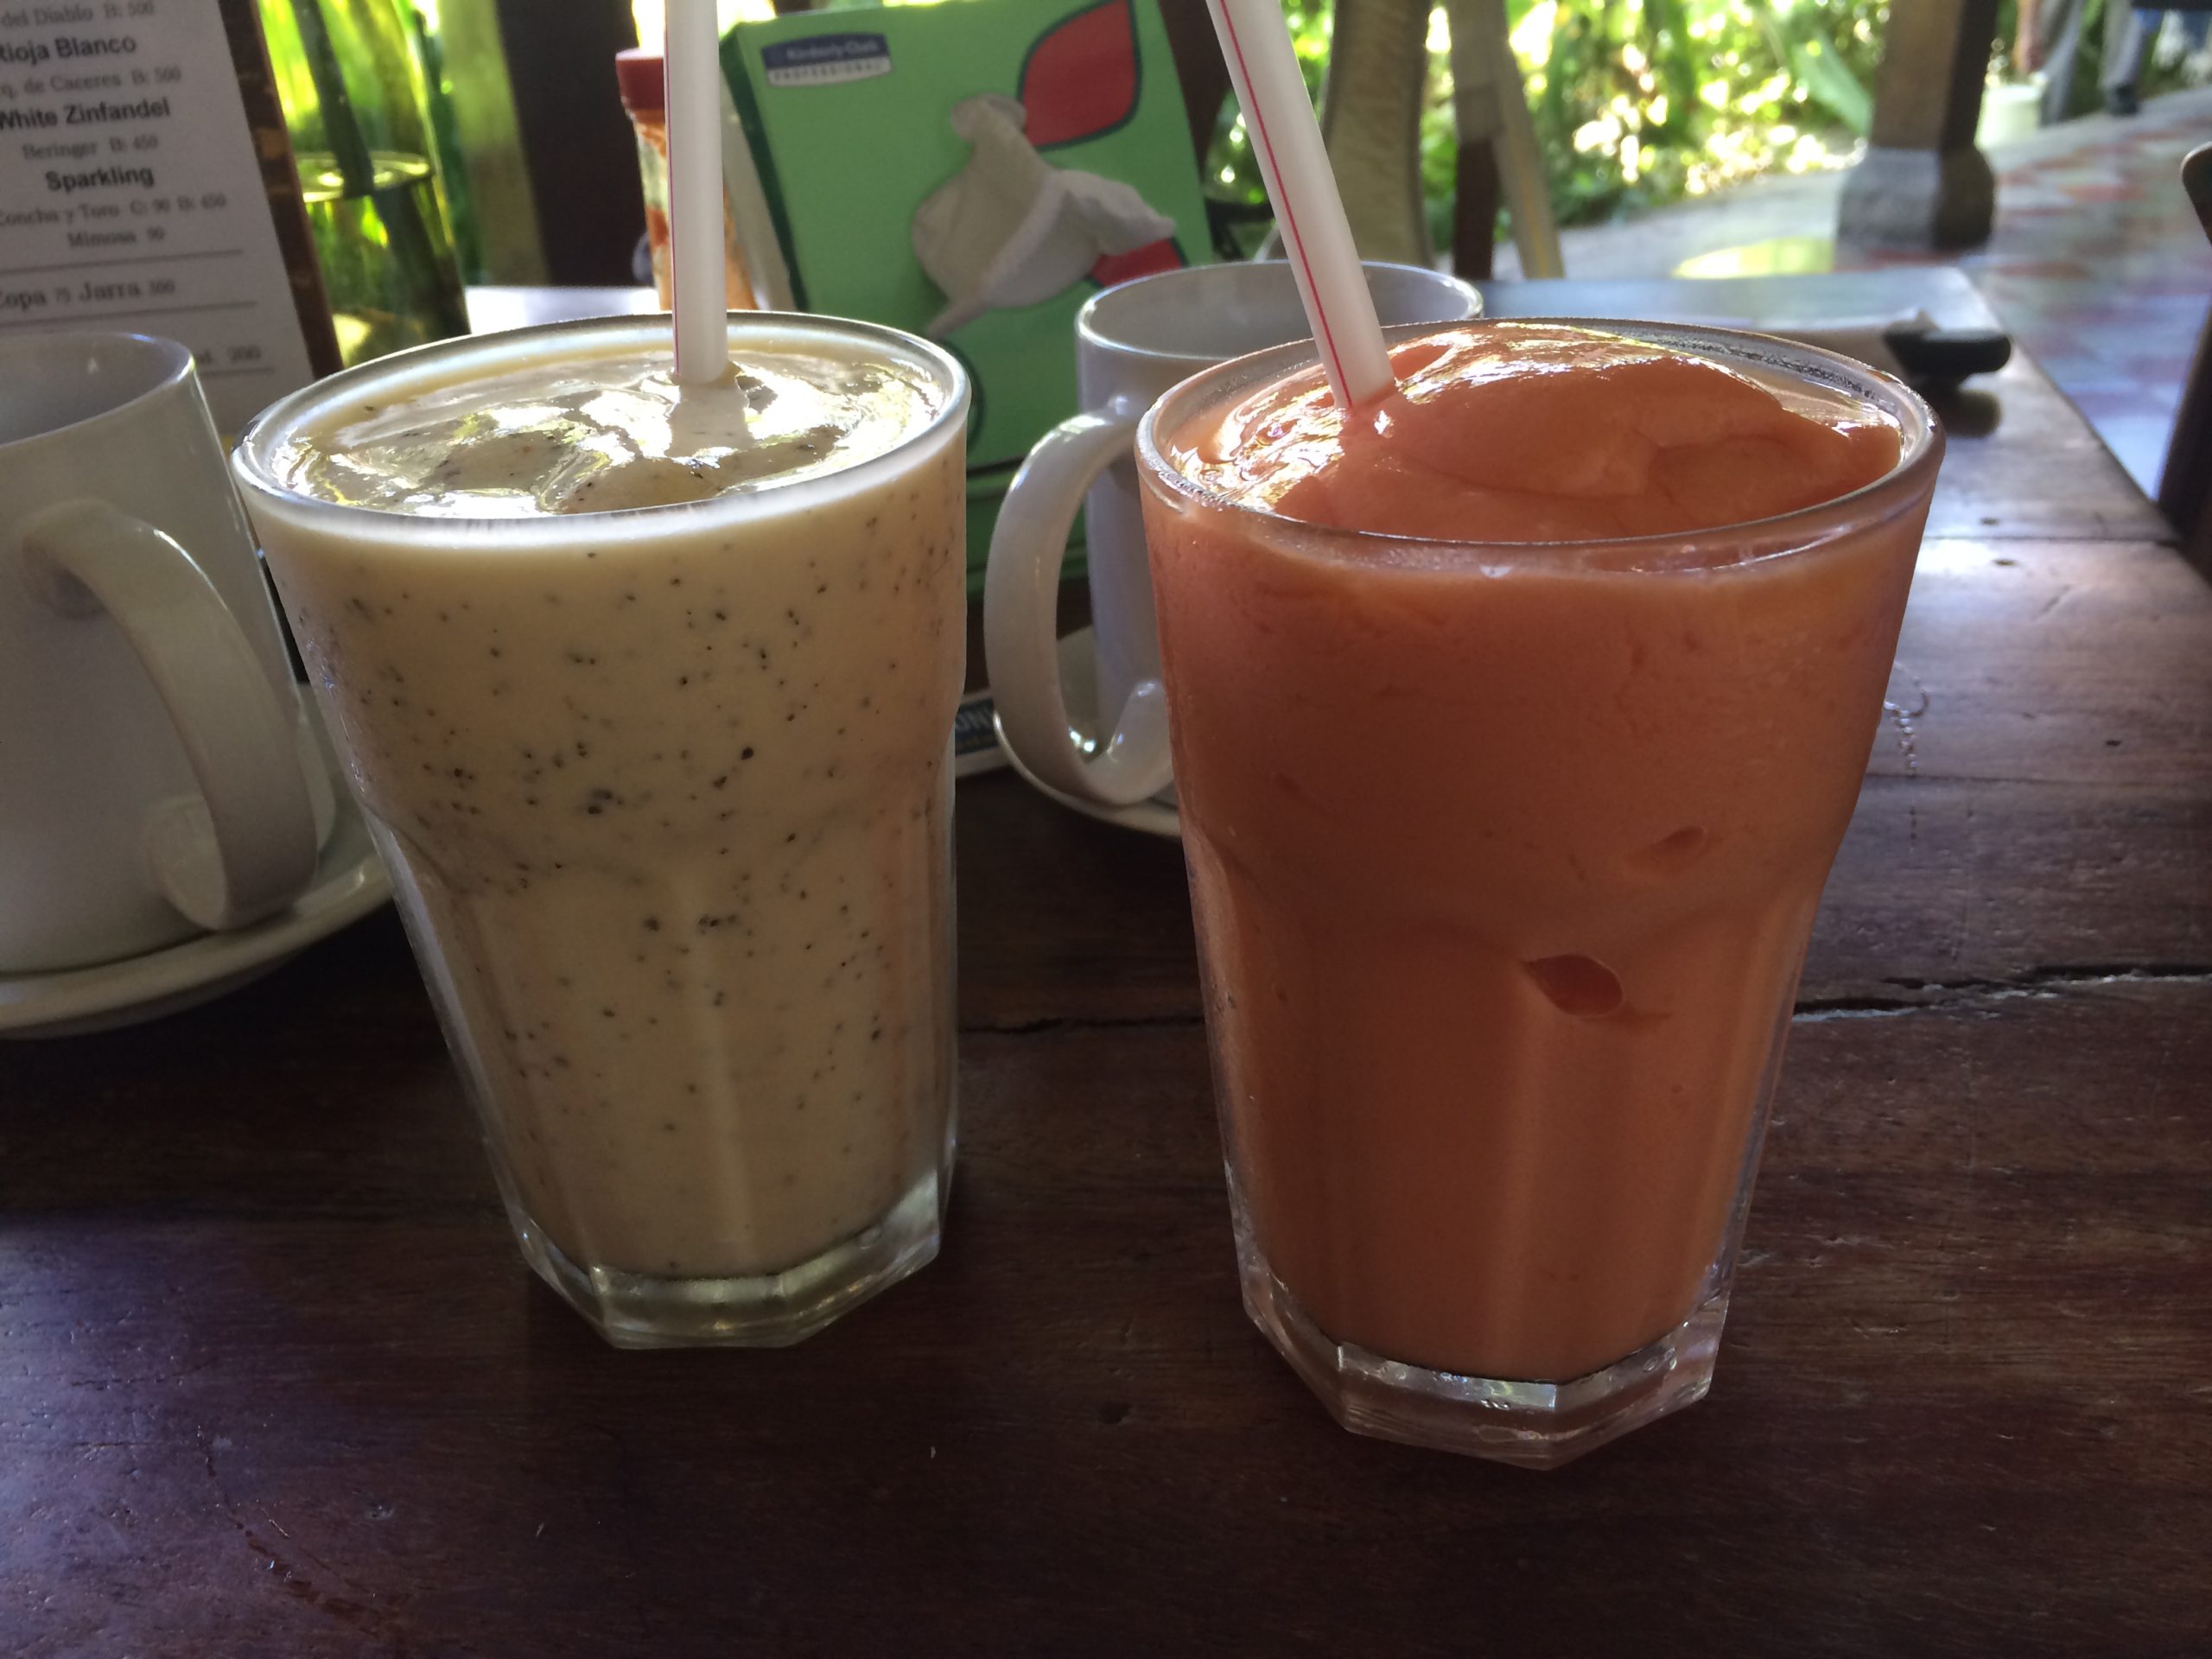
1639	102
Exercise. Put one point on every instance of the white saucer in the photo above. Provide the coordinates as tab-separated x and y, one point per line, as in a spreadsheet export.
349	883
1079	688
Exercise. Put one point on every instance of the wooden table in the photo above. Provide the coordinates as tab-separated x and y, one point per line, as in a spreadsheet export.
274	1380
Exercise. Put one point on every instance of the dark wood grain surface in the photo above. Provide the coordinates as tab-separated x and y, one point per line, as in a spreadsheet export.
273	1379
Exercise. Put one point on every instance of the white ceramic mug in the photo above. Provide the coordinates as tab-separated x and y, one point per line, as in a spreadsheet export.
1133	342
157	777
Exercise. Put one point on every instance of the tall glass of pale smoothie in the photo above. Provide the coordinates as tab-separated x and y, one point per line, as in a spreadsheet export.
648	695
1516	718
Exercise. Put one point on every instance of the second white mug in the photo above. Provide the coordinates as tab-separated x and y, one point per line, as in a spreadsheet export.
157	776
1133	342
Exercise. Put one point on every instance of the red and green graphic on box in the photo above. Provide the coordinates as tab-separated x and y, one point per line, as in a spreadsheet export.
973	171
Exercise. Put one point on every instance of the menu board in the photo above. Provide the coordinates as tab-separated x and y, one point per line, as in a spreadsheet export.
134	194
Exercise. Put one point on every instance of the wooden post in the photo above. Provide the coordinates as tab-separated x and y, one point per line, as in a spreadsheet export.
582	155
1497	143
1474	211
1370	120
1198	67
1922	183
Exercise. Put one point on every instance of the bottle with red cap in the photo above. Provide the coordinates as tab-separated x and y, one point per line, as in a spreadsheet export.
645	96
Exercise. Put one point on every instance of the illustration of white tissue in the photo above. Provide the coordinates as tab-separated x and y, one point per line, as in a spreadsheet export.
1010	229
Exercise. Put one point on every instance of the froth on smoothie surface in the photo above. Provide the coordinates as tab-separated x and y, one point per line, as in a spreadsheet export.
1516	432
601	434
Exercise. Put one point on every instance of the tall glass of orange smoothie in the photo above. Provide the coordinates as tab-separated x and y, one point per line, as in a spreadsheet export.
1517	717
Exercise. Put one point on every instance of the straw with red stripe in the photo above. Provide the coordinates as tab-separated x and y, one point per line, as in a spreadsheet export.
696	234
1294	166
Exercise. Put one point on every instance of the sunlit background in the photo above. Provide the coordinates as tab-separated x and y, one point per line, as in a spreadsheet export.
1636	103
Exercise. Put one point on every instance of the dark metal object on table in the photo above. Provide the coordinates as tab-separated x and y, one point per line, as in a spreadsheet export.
275	1379
1945	357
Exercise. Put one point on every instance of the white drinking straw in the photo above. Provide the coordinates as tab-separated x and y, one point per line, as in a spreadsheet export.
696	259
1295	165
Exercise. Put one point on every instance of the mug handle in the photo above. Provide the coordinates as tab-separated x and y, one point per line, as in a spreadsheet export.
1020	592
246	846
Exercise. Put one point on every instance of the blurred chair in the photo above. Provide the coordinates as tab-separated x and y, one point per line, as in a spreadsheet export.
2186	481
1370	120
1498	144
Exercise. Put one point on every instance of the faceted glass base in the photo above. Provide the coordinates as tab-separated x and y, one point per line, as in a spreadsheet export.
634	1310
1536	1424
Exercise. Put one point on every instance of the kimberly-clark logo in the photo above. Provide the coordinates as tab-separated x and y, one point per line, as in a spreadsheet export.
821	59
